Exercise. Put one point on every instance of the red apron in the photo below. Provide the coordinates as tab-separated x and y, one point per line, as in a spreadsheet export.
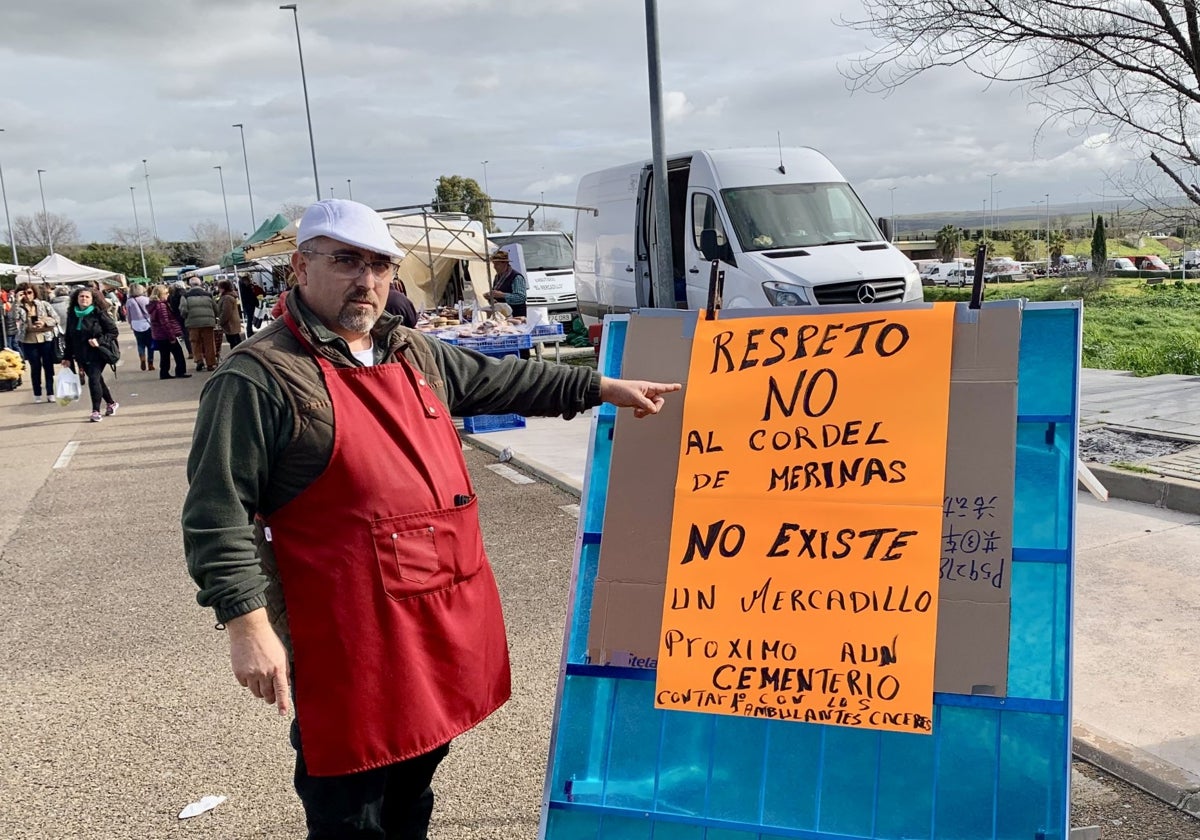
397	632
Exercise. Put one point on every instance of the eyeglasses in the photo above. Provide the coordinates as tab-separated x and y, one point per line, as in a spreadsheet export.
352	266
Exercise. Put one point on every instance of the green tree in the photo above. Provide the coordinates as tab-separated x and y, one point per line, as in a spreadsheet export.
122	259
1099	247
1022	245
456	194
947	240
1058	244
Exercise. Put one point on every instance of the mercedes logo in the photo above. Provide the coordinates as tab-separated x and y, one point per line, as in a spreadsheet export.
866	293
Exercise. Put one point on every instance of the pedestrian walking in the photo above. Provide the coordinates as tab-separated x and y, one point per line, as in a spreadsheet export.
230	307
92	346
199	312
392	637
36	324
138	316
167	334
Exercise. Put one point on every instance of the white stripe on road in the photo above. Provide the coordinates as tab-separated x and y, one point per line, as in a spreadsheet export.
67	453
509	473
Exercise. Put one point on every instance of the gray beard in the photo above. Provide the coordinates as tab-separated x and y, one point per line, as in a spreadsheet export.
354	321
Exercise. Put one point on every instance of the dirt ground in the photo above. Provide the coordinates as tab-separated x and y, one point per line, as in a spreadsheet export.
1107	446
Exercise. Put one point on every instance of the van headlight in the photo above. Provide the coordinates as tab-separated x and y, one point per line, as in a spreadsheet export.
785	294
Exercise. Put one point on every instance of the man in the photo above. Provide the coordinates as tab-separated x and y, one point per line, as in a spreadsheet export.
249	300
508	286
399	304
199	312
230	318
328	435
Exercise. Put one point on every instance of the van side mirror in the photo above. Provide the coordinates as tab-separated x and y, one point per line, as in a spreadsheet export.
885	227
708	244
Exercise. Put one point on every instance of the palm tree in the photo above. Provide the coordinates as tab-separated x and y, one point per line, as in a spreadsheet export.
1022	244
1058	244
947	240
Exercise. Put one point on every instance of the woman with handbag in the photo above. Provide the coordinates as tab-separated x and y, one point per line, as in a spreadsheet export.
36	324
92	345
138	315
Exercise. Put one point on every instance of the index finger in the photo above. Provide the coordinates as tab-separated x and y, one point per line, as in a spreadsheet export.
282	698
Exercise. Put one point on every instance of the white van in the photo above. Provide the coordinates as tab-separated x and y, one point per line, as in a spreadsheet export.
945	273
789	231
549	270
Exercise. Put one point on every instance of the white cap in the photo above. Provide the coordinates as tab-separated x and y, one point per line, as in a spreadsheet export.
349	222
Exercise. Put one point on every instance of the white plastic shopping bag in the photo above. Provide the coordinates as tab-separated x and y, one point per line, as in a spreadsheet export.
66	386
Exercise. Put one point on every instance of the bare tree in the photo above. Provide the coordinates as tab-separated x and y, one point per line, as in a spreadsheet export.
129	237
292	211
548	224
1131	67
31	231
211	240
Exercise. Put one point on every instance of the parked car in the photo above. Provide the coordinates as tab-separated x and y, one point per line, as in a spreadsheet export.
1120	264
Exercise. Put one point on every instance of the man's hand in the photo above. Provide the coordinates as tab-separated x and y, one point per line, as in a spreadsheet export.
643	397
258	658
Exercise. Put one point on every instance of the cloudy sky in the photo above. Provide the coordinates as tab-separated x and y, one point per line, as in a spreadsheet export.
543	90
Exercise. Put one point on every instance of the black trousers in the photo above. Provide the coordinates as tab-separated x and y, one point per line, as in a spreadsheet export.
388	803
97	387
168	349
41	365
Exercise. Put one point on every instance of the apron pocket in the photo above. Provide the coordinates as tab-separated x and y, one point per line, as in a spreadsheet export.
419	553
416	554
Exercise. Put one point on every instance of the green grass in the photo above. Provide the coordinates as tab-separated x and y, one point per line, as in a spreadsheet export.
1128	325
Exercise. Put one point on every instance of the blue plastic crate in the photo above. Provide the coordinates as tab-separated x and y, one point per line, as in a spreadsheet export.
492	423
497	344
547	329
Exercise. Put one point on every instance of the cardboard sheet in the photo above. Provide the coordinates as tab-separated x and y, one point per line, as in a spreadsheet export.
972	634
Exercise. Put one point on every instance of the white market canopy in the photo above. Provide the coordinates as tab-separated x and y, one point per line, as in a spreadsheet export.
23	273
434	244
56	269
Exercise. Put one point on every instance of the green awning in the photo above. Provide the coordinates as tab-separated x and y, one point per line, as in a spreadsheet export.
265	231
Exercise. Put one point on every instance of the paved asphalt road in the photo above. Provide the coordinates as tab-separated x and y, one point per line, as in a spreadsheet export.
117	706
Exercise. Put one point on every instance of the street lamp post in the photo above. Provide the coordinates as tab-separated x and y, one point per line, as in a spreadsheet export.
663	276
995	214
150	198
249	192
228	227
304	82
892	216
1047	234
349	192
45	217
486	191
991	201
12	242
138	232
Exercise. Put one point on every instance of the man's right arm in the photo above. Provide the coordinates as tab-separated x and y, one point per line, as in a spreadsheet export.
242	423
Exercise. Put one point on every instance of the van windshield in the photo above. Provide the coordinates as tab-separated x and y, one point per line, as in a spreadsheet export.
798	216
542	253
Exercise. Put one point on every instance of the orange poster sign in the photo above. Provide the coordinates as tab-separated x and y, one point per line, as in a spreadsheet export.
806	537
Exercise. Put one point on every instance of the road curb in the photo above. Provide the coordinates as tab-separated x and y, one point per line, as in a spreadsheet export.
1161	779
1171	493
534	468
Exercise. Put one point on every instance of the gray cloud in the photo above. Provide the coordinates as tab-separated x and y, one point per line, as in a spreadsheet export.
544	90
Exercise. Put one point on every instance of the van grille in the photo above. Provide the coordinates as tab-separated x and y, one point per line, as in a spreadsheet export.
539	300
887	290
